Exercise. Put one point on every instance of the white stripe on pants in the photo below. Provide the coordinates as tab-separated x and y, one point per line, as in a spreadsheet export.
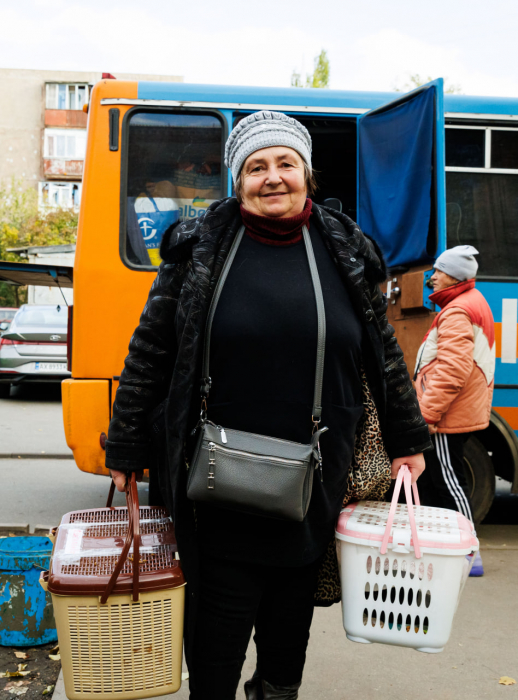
450	478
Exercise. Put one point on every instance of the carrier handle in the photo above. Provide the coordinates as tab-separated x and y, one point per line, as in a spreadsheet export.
110	494
133	535
405	477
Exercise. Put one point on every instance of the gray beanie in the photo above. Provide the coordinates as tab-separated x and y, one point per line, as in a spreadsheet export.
262	130
458	262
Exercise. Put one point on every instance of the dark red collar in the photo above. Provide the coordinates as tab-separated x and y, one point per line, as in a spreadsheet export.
273	230
444	296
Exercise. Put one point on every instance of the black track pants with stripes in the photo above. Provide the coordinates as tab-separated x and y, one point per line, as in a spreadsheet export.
443	483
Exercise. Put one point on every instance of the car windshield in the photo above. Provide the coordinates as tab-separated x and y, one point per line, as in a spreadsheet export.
7	314
42	316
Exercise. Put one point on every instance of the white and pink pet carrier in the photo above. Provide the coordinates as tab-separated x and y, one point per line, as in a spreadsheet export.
402	569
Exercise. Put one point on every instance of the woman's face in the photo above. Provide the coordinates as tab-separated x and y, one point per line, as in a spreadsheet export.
440	281
273	182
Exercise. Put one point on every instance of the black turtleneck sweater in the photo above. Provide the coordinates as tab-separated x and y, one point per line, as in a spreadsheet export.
262	364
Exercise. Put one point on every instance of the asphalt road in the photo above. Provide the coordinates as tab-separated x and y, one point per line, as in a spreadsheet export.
39	490
484	640
31	421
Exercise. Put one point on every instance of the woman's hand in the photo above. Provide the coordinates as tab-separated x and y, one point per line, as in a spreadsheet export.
119	478
414	462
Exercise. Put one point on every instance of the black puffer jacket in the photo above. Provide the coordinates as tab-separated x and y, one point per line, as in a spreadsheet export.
164	361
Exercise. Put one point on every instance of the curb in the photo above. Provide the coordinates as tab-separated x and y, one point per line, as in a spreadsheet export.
59	690
35	455
23	529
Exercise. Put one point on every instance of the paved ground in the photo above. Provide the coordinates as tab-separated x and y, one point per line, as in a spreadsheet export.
485	635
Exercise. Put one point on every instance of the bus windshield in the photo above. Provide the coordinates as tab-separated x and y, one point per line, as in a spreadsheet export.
173	173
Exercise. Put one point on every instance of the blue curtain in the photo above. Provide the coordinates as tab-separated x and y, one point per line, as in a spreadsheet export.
395	174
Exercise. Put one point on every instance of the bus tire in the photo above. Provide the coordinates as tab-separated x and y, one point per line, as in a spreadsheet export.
5	390
480	475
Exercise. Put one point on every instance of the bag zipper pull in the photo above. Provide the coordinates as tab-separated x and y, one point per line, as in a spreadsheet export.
211	479
320	463
223	434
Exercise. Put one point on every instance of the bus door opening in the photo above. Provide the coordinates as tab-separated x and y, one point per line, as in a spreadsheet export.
334	159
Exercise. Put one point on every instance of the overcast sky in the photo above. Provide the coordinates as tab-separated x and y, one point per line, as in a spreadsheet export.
372	44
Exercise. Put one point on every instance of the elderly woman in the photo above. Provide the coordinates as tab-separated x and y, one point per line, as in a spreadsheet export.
246	570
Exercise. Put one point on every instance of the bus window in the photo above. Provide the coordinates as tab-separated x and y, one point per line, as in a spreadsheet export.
465	148
482	210
504	148
173	173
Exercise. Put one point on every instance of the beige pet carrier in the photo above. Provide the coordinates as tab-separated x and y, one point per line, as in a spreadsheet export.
118	594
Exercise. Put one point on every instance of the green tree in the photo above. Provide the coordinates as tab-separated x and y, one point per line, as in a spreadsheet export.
415	81
22	224
320	76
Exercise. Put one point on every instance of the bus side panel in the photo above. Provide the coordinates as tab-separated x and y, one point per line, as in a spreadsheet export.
502	298
108	296
86	415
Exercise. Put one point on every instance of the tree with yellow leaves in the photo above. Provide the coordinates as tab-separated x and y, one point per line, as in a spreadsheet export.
23	224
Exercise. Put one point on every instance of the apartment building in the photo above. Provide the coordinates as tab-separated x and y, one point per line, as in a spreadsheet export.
43	129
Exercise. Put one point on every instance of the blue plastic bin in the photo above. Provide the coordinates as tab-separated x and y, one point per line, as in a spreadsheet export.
26	615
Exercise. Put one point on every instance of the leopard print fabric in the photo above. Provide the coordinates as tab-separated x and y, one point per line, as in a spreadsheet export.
369	478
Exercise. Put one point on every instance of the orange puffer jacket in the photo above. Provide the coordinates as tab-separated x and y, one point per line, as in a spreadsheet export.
456	362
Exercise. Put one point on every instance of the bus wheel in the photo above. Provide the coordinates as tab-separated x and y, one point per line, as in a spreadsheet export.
5	390
480	474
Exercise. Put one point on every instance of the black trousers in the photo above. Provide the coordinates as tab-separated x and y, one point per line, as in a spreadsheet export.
443	484
236	596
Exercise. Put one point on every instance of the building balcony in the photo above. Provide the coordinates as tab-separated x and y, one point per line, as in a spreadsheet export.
73	118
63	168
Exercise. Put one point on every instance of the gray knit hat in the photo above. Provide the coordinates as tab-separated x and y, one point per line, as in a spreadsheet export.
458	262
262	130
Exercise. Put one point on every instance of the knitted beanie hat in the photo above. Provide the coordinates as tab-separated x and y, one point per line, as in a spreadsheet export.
262	130
458	262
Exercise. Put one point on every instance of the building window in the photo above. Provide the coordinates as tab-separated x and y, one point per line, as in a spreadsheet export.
65	143
66	96
59	194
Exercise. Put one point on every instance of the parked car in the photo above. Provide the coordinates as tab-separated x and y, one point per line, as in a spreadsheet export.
34	348
7	313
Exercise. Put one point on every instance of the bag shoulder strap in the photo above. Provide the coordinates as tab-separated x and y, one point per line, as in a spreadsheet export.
321	342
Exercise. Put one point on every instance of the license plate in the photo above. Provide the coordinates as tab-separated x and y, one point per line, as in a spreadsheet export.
51	366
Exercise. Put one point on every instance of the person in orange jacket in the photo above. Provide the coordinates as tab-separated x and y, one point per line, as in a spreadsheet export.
454	379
